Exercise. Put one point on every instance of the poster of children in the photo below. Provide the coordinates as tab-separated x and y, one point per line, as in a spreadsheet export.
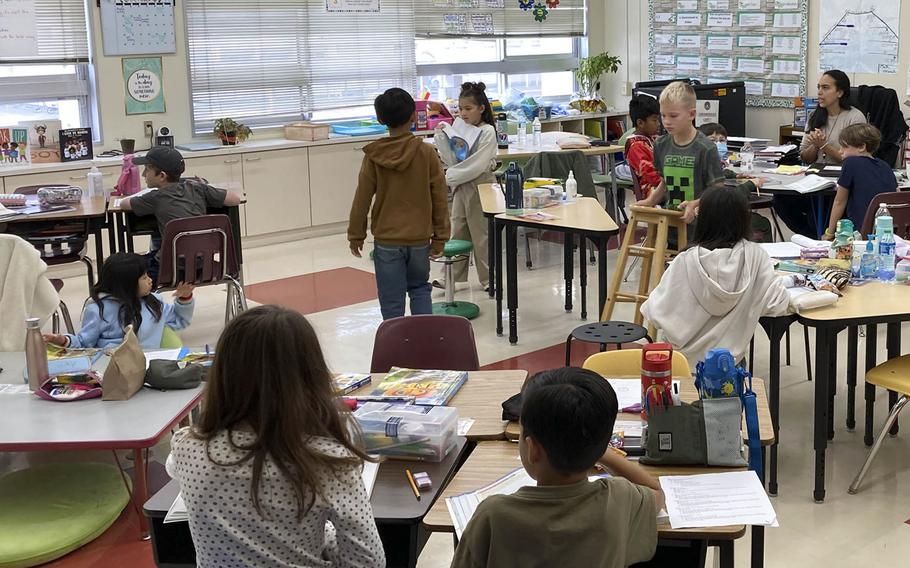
43	140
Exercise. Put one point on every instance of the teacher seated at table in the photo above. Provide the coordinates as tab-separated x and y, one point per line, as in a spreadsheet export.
820	145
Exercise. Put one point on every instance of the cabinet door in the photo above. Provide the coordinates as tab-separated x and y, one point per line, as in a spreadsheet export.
277	190
225	172
68	177
333	180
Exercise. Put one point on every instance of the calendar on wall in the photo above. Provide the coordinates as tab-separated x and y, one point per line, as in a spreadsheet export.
138	27
760	42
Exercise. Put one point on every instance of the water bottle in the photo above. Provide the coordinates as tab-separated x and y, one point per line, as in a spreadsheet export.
514	190
522	131
571	186
35	354
882	212
747	156
95	183
886	246
502	131
536	126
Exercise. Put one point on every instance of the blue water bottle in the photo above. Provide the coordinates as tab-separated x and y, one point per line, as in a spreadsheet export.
514	190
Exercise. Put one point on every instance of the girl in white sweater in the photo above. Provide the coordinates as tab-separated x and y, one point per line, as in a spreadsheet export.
714	293
468	222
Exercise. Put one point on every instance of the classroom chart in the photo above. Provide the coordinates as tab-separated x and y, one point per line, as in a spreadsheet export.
859	36
760	42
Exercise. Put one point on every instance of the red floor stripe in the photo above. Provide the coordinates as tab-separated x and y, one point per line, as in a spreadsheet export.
316	292
550	357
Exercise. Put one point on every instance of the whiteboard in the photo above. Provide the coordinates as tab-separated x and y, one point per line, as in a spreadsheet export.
138	27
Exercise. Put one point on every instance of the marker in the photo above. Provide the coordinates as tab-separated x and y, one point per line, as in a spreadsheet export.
207	349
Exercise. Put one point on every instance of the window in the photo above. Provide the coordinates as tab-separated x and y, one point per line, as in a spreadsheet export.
50	79
290	58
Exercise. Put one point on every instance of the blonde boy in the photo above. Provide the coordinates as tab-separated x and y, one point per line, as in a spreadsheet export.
687	160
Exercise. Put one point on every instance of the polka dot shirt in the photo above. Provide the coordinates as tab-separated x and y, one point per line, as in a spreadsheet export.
337	532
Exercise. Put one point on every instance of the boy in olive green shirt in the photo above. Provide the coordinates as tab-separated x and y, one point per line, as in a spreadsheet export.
567	418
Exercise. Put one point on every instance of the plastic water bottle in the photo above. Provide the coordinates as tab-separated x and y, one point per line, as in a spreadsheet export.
881	212
35	354
571	186
95	182
536	126
886	247
747	157
522	131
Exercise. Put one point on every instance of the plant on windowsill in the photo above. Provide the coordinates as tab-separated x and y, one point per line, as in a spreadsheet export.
588	74
231	132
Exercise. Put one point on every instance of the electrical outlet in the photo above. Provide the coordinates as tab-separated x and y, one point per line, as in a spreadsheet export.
626	88
148	128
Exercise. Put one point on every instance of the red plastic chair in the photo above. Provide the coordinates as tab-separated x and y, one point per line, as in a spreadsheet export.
425	342
201	251
898	205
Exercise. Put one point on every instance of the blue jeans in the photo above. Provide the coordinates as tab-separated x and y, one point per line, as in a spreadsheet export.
400	271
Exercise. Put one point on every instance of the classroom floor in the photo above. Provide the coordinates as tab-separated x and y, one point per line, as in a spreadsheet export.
320	278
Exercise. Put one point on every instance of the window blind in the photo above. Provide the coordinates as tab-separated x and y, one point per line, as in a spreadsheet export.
61	33
496	18
266	62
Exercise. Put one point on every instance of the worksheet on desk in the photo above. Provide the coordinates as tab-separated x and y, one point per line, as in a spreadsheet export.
717	499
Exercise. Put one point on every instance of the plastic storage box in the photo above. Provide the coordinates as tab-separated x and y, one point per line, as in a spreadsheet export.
408	430
358	128
306	131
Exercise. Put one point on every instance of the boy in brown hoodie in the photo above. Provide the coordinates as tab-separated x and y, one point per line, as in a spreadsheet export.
404	180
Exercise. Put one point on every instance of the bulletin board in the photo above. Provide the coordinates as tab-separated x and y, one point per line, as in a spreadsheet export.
137	27
760	42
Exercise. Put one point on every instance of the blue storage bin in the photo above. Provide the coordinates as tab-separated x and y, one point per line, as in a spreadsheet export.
358	128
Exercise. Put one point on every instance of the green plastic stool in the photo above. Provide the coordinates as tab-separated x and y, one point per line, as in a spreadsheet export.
455	251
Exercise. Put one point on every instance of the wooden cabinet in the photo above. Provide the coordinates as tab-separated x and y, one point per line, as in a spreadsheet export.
277	189
68	177
225	172
333	180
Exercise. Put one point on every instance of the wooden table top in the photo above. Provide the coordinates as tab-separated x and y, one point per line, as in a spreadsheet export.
515	151
492	201
89	207
871	301
583	214
479	398
688	393
491	460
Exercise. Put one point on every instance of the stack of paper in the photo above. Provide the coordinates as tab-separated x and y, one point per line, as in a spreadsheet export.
782	250
717	499
810	183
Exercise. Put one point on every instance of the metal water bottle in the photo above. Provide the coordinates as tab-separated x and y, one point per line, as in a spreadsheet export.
514	190
502	131
35	354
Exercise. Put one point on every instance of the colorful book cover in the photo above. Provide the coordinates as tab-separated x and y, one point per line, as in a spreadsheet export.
76	144
205	359
19	149
43	140
349	382
433	388
55	352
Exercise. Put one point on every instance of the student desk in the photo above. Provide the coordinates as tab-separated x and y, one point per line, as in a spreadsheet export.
776	184
584	217
688	393
491	460
92	211
398	514
28	423
480	398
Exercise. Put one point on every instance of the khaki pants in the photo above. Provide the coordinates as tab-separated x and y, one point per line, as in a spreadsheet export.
469	224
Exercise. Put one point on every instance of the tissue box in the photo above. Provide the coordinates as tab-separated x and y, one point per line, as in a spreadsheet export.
408	430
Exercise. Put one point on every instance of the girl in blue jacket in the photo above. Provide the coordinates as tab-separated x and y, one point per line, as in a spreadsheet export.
123	296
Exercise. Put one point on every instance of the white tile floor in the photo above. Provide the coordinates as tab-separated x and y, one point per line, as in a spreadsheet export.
845	531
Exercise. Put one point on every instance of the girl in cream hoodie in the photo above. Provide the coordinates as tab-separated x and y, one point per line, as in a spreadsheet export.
714	293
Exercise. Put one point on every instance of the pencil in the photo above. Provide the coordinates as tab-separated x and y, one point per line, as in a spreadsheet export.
413	483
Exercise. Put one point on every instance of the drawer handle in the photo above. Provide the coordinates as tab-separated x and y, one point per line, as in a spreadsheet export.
83	176
253	159
108	174
232	161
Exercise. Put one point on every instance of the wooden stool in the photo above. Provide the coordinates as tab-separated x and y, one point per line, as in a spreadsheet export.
653	251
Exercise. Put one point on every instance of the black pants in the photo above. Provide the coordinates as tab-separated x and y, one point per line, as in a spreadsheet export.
796	213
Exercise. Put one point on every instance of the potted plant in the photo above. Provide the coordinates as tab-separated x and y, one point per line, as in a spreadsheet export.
588	74
230	132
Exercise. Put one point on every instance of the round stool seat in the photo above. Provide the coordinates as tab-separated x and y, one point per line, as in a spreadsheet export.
51	510
456	247
609	332
605	333
466	310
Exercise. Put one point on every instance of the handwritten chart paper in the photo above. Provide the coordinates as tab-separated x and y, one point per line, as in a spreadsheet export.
18	33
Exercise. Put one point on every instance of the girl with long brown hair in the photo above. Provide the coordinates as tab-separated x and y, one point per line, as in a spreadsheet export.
270	473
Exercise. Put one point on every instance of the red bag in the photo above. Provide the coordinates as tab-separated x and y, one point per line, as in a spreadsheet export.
128	183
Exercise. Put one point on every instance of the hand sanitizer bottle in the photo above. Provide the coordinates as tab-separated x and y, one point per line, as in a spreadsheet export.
571	186
537	128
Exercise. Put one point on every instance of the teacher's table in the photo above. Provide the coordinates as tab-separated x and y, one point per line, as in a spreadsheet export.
397	512
491	460
31	424
91	212
584	217
480	398
776	184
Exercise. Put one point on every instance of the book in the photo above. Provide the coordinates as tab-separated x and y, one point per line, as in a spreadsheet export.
810	183
462	137
43	140
349	382
431	388
76	144
55	352
13	146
